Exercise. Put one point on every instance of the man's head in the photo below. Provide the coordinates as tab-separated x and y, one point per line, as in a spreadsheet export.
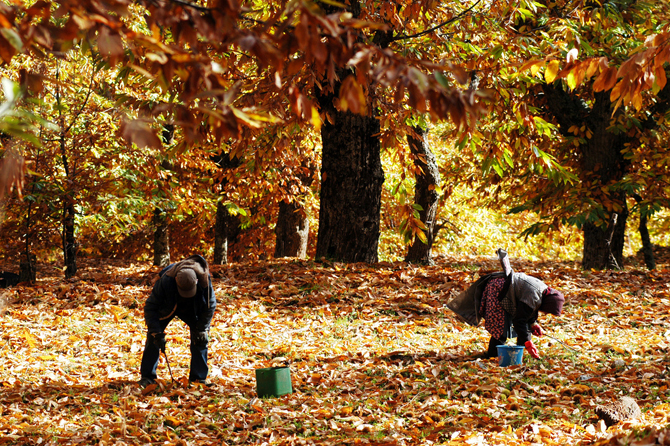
187	282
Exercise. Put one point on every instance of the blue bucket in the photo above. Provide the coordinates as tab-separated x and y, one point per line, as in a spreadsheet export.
510	355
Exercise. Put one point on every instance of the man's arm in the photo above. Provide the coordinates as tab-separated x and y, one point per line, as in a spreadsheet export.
523	319
151	308
207	313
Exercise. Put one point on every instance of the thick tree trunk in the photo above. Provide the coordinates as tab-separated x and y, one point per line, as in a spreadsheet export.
602	164
28	268
221	235
351	185
292	231
603	246
603	160
425	195
226	231
161	239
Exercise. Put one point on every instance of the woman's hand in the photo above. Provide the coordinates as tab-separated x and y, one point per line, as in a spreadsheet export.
536	329
532	350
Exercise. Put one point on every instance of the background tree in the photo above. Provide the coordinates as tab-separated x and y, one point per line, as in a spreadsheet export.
426	197
554	72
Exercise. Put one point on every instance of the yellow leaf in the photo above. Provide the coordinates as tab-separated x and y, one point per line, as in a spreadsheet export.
173	421
316	119
551	71
29	339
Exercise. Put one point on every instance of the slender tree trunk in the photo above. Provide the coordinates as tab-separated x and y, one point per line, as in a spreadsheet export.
161	227
161	239
28	267
292	231
68	226
351	186
647	246
69	240
221	235
425	195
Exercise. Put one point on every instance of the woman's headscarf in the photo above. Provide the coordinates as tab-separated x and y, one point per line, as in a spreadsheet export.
552	302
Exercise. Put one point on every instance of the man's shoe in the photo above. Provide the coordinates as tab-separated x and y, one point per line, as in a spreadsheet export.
202	382
146	382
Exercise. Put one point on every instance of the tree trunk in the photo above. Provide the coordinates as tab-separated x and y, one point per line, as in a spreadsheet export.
603	246
425	195
221	235
351	186
602	163
28	268
69	241
292	231
647	246
161	239
603	160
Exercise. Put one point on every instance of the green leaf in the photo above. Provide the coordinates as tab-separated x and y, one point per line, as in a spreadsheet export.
13	38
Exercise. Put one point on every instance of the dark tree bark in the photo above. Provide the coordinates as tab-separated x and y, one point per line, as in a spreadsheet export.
351	171
28	268
292	231
69	240
602	154
221	234
603	162
351	186
161	239
161	228
647	246
425	195
603	246
226	226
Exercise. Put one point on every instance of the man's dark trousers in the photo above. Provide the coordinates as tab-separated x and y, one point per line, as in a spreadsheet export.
151	355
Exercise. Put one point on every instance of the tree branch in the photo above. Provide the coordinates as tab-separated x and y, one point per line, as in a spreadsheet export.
435	28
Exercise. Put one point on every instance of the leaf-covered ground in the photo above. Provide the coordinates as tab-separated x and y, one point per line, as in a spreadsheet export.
375	358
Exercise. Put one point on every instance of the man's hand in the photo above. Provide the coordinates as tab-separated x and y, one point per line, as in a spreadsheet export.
532	350
536	329
159	341
201	338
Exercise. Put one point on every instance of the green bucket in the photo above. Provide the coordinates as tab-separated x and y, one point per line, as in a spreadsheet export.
273	381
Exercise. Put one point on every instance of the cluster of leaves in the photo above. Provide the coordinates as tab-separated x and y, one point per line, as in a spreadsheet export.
602	54
375	357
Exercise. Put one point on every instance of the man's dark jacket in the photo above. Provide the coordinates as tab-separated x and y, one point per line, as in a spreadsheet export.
164	299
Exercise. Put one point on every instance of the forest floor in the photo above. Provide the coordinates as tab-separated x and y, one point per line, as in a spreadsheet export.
375	358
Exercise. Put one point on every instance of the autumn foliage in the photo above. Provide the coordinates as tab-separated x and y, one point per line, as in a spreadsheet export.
375	357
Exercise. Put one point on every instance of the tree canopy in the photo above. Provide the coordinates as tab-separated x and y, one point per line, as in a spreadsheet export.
561	104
